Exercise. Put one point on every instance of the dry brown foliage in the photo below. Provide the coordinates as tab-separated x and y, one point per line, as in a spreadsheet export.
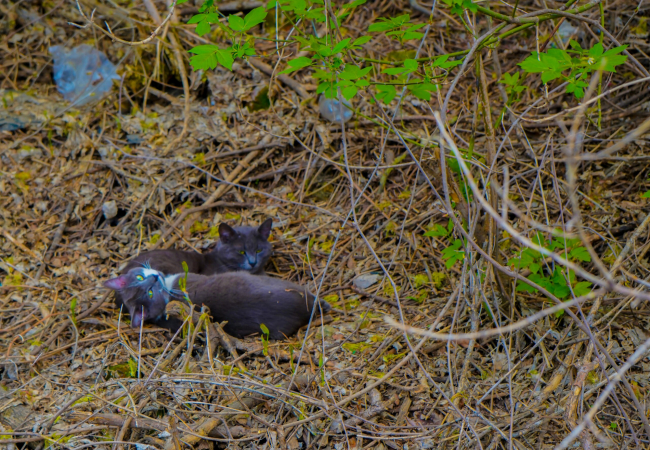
346	204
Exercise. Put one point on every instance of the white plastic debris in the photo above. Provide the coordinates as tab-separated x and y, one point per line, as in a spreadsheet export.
109	209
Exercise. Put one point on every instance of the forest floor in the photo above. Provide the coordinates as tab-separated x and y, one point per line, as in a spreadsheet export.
349	209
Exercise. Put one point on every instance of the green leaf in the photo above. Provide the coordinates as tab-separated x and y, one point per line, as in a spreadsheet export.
558	276
317	14
452	254
385	24
297	64
558	58
206	5
423	90
541	280
411	64
582	288
197	18
510	80
381	26
203	62
349	92
444	64
437	231
224	57
409	35
202	28
73	311
265	339
394	70
540	240
524	260
576	88
362	40
612	61
521	286
326	88
468	4
204	49
534	267
354	4
352	72
534	65
386	93
550	75
340	46
581	254
207	57
574	45
236	23
596	50
615	50
561	291
646	194
255	17
212	17
323	75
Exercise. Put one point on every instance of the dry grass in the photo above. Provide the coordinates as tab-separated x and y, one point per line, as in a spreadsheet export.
342	208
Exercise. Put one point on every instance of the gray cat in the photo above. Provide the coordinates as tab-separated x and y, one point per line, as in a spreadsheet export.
244	300
238	249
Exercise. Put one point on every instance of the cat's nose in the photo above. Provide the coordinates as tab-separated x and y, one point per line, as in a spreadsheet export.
252	262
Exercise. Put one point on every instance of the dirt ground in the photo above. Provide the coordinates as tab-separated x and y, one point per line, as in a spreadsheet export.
85	188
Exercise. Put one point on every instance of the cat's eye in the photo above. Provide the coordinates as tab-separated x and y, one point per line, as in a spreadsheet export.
242	252
150	293
139	278
259	250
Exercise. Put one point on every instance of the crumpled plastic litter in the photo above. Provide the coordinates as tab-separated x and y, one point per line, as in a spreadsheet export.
566	31
330	109
109	209
365	281
82	74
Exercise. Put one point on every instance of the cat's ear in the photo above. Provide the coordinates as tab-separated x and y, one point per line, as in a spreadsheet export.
117	284
226	233
264	230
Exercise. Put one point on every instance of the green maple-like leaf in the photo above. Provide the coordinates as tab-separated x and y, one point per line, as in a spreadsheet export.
386	93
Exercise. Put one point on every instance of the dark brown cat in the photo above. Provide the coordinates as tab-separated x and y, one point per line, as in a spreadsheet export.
246	301
239	248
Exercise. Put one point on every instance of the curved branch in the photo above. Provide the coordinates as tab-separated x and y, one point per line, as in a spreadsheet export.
90	22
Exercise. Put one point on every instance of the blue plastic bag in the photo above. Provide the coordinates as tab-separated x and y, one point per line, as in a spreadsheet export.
330	109
83	74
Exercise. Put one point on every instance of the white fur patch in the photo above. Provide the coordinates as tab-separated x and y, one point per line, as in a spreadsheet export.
149	272
170	280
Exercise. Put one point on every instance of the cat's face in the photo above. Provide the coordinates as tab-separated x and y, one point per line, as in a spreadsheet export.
143	292
245	248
